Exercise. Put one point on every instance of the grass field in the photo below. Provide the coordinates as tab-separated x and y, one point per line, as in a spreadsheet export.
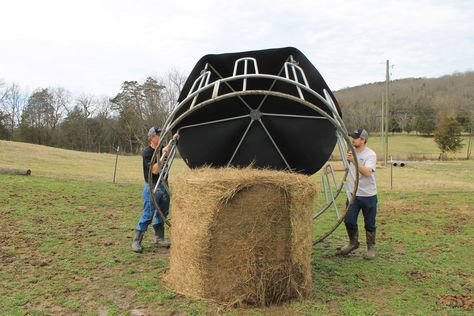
412	147
65	235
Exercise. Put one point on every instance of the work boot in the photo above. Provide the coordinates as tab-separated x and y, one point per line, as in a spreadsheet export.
137	241
160	236
353	242
370	245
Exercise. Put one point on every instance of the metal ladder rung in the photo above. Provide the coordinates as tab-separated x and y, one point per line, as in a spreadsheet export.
200	82
167	164
245	60
293	65
328	186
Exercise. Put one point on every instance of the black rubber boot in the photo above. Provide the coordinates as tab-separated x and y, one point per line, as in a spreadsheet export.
160	236
370	236
353	242
137	241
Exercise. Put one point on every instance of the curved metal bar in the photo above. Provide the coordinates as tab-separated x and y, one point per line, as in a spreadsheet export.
248	92
333	106
348	170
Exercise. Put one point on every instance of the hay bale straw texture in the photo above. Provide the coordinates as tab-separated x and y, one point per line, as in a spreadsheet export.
241	236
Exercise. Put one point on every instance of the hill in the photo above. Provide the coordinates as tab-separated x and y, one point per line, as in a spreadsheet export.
76	165
410	99
70	164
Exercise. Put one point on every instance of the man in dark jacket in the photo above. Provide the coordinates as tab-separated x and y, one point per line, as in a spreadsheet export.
162	195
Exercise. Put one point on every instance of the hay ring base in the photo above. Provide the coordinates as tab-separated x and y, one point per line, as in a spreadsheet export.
242	236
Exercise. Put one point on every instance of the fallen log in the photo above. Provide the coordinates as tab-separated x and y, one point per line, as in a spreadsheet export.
15	171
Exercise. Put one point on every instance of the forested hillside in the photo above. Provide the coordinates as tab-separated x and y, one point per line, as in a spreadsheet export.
415	103
52	116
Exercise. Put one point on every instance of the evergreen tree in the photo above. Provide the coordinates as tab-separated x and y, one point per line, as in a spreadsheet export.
448	135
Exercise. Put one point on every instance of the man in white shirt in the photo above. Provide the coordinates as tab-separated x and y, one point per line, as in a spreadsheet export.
366	196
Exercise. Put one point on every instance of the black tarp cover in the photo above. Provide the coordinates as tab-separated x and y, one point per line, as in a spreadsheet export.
304	143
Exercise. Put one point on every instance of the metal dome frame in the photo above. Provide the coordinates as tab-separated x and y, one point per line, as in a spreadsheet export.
202	84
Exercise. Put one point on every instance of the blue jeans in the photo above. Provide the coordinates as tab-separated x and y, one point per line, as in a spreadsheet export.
368	205
163	198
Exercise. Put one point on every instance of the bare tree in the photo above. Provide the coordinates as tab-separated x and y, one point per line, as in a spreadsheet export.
2	91
173	82
105	108
61	100
103	126
13	101
86	106
87	103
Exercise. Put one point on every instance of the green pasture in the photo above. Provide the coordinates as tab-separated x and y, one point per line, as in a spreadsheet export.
411	147
66	231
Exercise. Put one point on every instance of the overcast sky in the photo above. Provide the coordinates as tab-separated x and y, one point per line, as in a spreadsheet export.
92	46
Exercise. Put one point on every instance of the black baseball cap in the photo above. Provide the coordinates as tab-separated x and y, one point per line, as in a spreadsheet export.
359	133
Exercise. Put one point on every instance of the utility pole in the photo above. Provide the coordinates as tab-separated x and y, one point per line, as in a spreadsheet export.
471	127
382	130
387	111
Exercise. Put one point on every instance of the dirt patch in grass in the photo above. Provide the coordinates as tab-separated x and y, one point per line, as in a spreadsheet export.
450	229
383	236
458	223
423	232
417	276
464	301
394	208
160	252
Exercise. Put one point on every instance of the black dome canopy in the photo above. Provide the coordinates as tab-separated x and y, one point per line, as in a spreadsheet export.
251	108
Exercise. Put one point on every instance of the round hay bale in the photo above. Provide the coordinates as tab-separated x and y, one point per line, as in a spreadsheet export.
241	235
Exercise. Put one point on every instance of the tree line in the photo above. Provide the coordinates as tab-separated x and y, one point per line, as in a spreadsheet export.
417	105
53	117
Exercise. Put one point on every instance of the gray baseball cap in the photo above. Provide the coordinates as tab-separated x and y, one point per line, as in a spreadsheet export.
154	131
359	133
